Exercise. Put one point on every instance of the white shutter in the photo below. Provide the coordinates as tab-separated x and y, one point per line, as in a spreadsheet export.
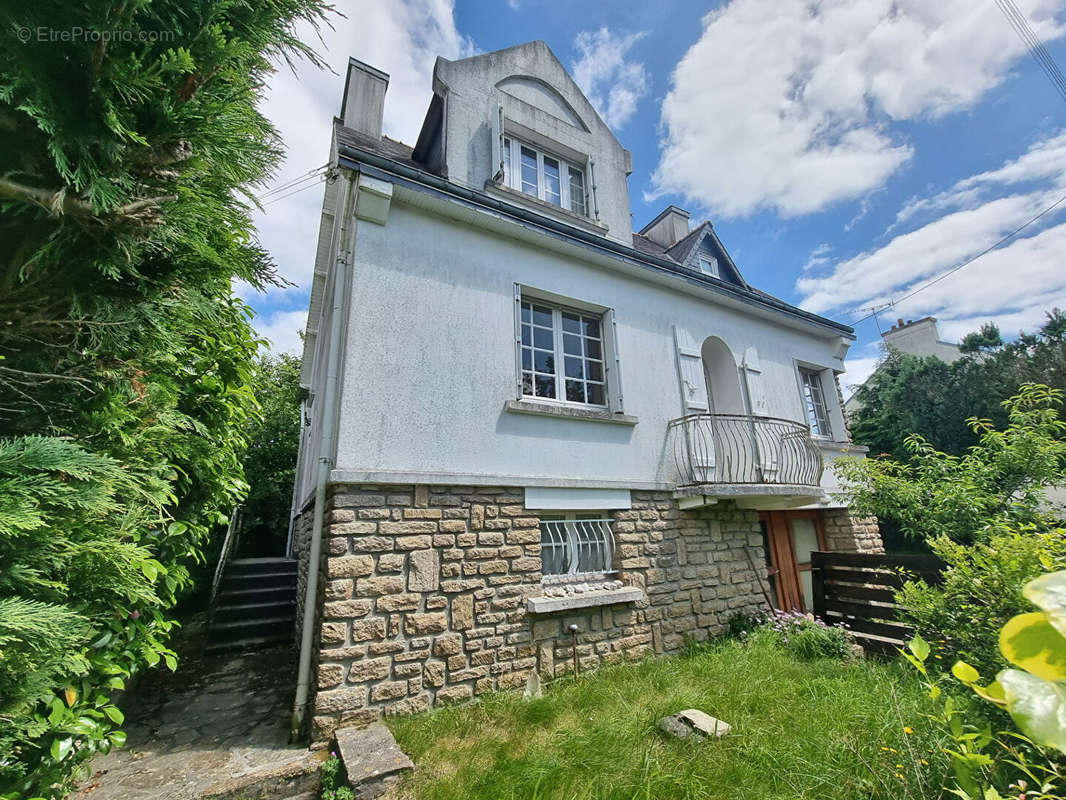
497	143
753	380
613	364
758	407
518	341
690	373
592	190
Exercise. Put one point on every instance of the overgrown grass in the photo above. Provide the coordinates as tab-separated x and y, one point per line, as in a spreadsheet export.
823	729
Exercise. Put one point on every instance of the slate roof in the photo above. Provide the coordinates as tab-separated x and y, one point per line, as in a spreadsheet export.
679	253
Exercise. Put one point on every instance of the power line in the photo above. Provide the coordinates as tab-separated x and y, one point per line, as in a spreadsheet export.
288	184
1033	44
968	261
311	185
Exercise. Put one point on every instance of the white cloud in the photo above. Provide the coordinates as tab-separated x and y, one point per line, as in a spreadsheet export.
612	84
1013	285
283	329
858	371
400	38
787	105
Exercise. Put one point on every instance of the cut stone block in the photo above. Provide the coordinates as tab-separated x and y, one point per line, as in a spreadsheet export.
372	759
693	721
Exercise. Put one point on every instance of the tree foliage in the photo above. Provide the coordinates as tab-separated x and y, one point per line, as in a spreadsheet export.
986	513
270	463
128	154
926	396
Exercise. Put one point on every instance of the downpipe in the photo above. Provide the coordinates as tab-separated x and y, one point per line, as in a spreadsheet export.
346	222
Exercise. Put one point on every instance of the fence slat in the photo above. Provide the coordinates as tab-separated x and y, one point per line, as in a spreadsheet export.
862	610
844	583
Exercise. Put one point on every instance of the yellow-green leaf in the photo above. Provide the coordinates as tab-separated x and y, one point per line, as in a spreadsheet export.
993	693
1030	641
1048	593
919	647
1038	707
965	673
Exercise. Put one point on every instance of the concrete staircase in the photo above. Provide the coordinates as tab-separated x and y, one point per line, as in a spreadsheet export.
255	606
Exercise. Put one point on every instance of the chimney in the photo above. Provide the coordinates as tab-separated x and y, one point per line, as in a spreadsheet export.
364	98
668	228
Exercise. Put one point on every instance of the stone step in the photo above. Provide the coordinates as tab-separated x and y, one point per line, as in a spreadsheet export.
234	612
251	643
258	580
252	628
298	778
236	597
258	566
372	760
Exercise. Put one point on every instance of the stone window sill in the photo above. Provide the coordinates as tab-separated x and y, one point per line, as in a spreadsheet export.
567	412
610	597
547	209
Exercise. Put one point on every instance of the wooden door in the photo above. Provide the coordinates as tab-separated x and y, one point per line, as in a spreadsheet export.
790	537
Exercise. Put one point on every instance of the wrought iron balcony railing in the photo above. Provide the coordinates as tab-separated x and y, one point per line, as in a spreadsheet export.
737	448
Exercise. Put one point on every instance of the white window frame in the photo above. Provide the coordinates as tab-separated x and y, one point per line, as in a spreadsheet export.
709	266
512	175
570	532
811	384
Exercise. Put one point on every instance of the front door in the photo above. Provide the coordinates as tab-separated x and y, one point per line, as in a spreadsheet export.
790	537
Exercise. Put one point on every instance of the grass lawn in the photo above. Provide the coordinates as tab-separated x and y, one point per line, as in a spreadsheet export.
822	729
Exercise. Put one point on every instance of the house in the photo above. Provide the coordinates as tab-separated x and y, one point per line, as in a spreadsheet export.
915	337
528	428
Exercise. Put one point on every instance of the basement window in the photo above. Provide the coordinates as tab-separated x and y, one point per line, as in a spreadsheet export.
576	544
546	177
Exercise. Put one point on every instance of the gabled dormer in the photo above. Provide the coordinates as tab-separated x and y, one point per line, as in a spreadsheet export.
698	249
513	123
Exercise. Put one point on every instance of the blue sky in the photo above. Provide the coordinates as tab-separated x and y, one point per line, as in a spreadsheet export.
846	151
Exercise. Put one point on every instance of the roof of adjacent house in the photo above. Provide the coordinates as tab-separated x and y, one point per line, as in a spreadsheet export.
353	146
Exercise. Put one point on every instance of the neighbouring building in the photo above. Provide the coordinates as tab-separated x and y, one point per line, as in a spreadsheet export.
915	337
527	425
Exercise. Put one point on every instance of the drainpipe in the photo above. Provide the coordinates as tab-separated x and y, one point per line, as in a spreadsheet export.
346	222
297	479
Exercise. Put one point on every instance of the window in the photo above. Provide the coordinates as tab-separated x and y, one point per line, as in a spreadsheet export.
562	354
576	544
544	176
709	266
814	402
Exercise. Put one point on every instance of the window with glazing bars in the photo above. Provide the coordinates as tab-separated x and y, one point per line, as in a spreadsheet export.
562	354
814	402
576	544
544	176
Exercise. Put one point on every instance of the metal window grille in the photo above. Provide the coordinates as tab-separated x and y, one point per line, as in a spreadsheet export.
576	546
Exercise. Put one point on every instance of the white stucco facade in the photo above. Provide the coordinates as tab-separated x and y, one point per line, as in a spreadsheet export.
436	251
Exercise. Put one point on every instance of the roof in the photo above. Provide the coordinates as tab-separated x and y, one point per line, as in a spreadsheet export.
355	147
642	244
384	147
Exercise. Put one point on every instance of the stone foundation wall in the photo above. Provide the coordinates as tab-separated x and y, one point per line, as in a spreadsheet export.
424	589
847	533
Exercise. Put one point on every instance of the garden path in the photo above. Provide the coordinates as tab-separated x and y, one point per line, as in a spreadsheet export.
216	728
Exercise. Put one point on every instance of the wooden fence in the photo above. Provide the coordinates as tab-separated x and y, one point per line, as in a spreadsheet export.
858	590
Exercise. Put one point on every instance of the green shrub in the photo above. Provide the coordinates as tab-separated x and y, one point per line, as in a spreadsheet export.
334	786
807	638
981	591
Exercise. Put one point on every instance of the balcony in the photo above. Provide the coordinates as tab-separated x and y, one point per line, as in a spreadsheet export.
761	462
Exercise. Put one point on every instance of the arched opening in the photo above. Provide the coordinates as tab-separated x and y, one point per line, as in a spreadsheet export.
724	393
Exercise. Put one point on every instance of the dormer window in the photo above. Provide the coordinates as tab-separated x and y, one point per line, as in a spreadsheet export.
544	176
709	266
